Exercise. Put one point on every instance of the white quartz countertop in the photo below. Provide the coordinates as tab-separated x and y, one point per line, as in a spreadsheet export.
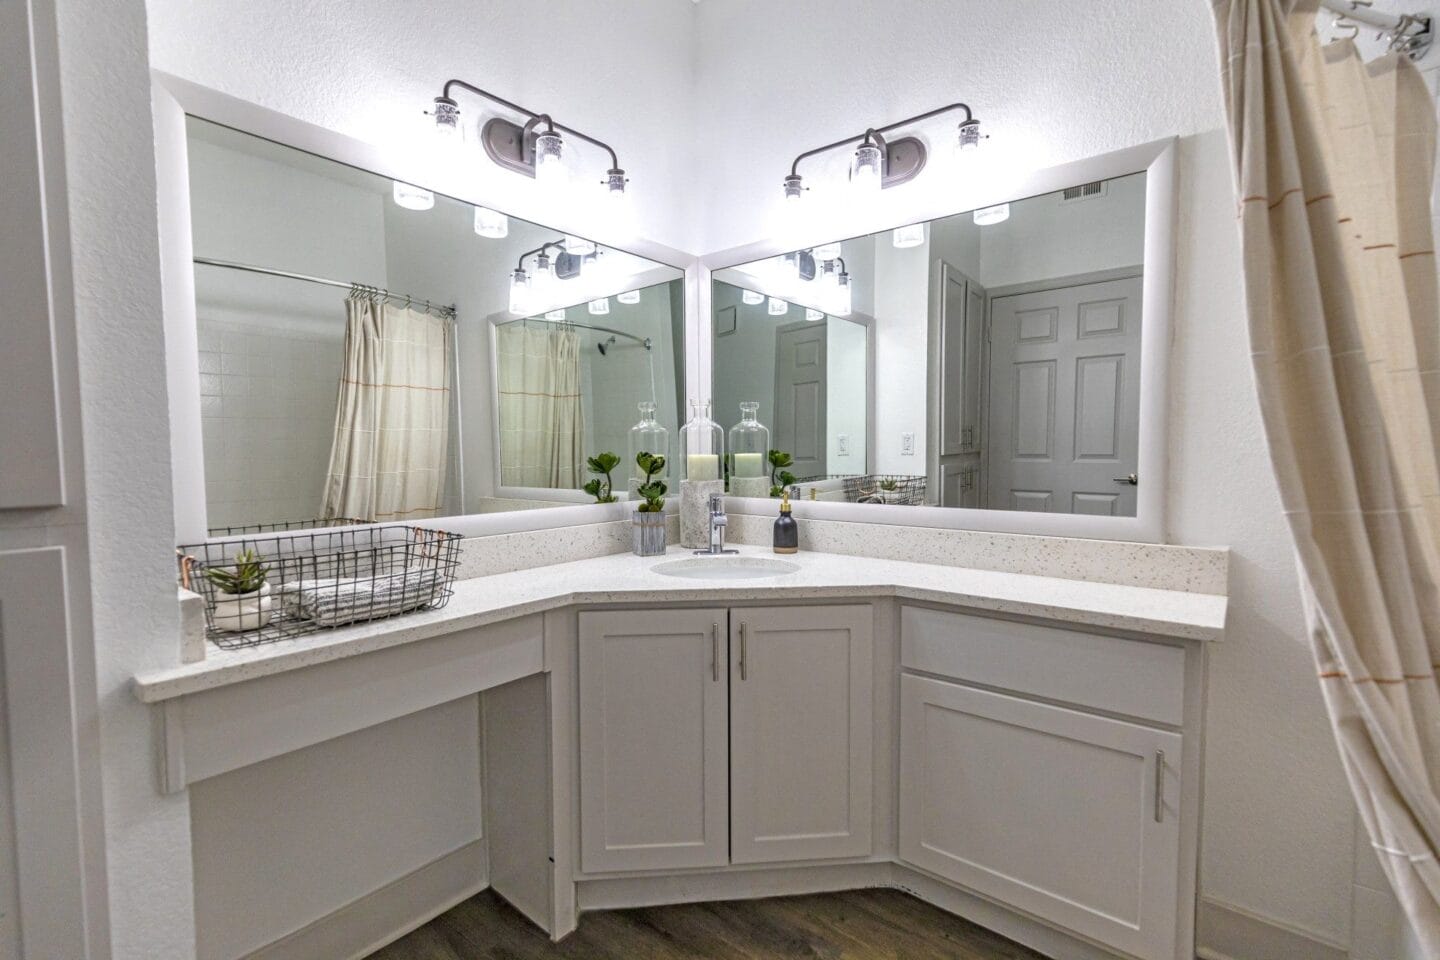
624	578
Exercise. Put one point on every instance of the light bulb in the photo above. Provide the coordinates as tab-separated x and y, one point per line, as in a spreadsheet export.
813	315
778	307
578	245
519	292
996	214
827	251
542	280
447	121
629	296
968	137
556	315
491	223
829	274
865	170
549	159
842	298
600	307
752	298
615	185
908	236
412	197
793	189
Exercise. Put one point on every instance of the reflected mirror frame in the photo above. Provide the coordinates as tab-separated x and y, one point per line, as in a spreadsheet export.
174	99
1157	160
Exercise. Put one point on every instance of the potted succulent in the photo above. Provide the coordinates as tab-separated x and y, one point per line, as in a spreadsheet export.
601	490
242	600
780	478
889	490
648	525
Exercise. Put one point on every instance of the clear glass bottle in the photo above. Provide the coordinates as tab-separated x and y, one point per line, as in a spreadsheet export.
702	446
749	444
648	436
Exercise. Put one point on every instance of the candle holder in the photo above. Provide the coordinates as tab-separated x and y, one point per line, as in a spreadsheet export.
749	446
702	451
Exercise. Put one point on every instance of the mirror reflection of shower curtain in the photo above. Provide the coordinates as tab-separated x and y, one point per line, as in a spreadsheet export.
390	452
542	419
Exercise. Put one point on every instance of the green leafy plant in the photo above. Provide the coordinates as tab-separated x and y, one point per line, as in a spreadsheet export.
247	576
601	490
780	478
890	485
653	491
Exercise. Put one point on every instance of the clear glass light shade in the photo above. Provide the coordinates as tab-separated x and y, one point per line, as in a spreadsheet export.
649	436
793	189
412	197
749	443
542	281
447	121
908	236
752	298
701	447
600	307
842	296
491	223
968	137
813	315
519	292
829	274
549	159
557	315
827	251
778	307
865	168
579	245
615	186
629	296
999	213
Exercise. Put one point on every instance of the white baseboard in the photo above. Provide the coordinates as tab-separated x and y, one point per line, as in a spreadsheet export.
365	925
619	893
1227	932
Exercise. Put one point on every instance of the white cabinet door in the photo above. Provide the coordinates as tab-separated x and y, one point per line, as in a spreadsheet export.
1068	816
653	740
800	732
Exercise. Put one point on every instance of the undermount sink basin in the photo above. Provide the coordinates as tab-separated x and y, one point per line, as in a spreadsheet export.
725	568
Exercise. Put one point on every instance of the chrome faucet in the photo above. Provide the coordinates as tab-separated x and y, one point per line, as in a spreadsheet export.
718	522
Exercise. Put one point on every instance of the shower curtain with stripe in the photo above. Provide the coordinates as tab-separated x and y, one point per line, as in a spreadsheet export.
390	452
542	420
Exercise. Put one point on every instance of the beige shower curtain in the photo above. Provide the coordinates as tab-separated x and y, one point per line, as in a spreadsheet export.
542	422
390	452
1333	161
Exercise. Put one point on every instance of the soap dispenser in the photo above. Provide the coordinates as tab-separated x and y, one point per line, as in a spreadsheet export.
787	531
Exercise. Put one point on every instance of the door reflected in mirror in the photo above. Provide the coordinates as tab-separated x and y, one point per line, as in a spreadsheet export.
1001	369
346	325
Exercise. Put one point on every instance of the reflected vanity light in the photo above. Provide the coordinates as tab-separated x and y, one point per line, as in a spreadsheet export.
491	223
908	236
827	251
752	298
813	315
778	307
843	303
600	307
556	315
629	296
519	292
579	245
996	214
879	163
412	197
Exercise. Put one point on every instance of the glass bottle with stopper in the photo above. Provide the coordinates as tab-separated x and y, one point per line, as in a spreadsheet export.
648	436
702	445
749	447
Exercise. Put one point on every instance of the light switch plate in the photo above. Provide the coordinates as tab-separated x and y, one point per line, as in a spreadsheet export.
907	444
842	444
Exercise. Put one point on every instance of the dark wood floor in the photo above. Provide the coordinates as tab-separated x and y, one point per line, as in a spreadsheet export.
856	925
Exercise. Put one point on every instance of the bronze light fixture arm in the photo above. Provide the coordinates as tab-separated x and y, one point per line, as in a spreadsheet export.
903	158
534	118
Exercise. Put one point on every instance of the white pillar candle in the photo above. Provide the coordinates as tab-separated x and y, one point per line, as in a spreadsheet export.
702	466
749	465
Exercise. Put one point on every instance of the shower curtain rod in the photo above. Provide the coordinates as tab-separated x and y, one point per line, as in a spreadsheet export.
643	341
444	308
1409	33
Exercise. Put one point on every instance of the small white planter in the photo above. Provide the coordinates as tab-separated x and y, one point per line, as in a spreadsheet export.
238	612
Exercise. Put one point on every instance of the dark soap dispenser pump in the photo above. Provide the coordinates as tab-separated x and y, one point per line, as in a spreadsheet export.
787	531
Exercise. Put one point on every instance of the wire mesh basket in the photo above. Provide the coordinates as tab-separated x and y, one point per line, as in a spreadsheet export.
262	589
885	488
282	526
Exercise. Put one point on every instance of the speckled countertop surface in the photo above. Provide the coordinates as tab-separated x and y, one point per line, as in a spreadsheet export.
624	578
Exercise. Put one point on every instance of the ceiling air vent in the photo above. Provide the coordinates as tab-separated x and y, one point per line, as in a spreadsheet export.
1085	191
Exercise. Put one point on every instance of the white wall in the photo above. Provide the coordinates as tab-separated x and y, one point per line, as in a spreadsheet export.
846	350
1277	824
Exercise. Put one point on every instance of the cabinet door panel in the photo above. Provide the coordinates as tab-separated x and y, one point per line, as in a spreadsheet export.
801	731
1049	810
653	740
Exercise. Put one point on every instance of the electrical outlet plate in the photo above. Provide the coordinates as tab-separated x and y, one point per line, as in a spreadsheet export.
842	444
907	444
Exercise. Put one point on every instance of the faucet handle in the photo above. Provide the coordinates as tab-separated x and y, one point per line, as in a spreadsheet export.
717	503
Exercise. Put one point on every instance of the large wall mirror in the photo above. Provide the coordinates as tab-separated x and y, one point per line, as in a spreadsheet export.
369	350
997	362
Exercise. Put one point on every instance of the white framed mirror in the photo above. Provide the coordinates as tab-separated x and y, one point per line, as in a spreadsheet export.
306	272
1012	373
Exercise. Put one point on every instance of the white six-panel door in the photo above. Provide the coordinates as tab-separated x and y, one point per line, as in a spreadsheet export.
1064	399
801	384
1068	816
801	722
653	739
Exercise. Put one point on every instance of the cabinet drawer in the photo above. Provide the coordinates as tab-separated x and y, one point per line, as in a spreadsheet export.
1132	677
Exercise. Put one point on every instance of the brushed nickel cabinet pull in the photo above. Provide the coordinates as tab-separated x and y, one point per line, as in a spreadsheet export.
1159	786
715	652
744	674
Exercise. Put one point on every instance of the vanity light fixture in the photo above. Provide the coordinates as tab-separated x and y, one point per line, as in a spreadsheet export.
519	292
813	315
557	315
629	296
908	236
752	297
600	307
412	197
879	163
579	245
491	224
996	214
827	251
843	302
778	307
534	149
